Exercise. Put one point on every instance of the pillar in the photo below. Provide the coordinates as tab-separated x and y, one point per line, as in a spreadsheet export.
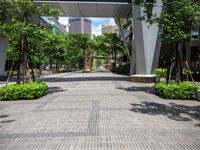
146	46
3	51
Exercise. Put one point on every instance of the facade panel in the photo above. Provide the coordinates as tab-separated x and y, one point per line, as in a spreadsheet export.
80	25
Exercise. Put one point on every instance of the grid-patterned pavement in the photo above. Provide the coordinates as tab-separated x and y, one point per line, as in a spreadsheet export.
99	111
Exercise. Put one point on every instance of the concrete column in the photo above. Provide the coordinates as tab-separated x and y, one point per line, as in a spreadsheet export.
146	45
3	51
132	61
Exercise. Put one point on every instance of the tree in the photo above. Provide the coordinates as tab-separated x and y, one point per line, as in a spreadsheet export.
83	43
53	48
177	21
124	23
110	43
21	28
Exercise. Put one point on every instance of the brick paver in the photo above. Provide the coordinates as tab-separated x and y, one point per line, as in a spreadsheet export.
99	111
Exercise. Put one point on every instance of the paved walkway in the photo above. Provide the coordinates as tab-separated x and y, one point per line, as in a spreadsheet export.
99	111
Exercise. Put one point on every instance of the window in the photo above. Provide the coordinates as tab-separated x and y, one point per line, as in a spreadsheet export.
195	34
75	20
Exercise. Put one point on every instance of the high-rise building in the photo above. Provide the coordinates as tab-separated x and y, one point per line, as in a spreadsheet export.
80	25
109	28
53	21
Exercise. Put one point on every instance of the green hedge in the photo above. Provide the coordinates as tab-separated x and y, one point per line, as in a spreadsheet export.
184	90
31	90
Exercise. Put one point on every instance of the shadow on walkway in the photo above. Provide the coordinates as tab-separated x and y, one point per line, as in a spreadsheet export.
100	71
138	88
172	111
8	121
4	116
52	90
73	79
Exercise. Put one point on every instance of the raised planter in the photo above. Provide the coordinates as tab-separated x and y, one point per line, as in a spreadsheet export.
3	77
143	78
160	79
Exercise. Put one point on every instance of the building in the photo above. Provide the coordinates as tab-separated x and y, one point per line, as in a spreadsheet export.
53	21
194	52
80	25
190	52
109	28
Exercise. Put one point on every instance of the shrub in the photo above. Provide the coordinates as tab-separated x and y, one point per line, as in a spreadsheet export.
161	72
184	90
31	90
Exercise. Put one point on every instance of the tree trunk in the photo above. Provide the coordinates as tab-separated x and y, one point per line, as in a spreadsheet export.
115	56
169	66
179	67
26	66
51	62
88	61
180	64
176	63
40	69
23	70
85	60
91	60
19	64
31	65
57	67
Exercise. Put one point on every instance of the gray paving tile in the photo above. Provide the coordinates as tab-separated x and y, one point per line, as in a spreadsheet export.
99	111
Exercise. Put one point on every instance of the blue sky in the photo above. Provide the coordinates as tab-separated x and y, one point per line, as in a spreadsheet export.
96	23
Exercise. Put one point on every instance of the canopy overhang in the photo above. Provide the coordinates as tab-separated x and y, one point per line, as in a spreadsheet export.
95	8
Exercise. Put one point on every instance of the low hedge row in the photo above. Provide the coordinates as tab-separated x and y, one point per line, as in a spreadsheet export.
184	90
31	90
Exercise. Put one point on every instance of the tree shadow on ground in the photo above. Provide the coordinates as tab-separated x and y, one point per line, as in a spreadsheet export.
138	88
173	111
52	90
73	79
197	125
4	116
100	71
8	121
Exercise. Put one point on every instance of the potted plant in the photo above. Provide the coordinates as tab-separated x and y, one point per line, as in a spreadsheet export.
161	74
187	72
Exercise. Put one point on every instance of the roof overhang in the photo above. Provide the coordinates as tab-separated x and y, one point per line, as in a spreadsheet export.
115	8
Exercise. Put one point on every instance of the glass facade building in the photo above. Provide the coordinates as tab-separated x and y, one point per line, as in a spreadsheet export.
80	25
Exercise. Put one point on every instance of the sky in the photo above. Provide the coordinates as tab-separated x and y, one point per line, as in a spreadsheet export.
96	23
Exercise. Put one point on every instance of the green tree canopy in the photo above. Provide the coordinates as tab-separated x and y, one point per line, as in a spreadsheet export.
21	27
